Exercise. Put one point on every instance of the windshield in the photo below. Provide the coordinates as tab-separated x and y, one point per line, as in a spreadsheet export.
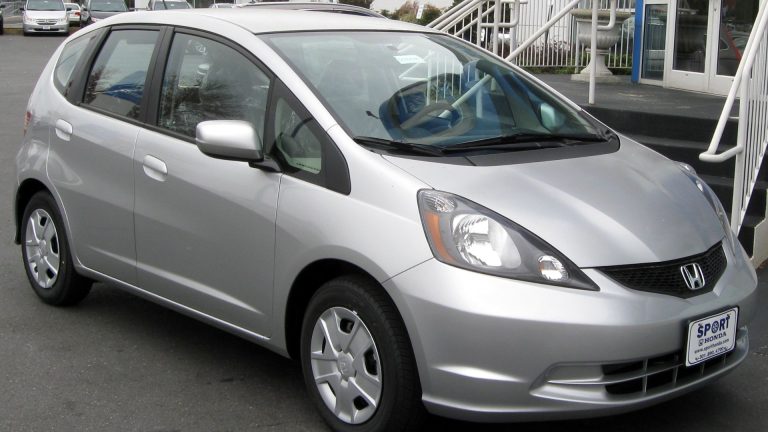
171	5
427	89
45	5
108	6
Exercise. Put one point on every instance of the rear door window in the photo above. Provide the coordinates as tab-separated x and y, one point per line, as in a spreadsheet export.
116	82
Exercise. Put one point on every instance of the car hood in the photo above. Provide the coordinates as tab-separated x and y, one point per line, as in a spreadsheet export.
33	14
626	207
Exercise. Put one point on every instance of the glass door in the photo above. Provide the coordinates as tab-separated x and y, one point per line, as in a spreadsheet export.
733	26
688	63
654	41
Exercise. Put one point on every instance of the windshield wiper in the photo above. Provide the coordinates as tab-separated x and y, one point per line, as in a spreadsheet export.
524	141
384	144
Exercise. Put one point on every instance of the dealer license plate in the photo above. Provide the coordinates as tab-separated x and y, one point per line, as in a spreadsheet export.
711	336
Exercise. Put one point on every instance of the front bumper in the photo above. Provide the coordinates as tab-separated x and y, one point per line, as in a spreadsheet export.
493	349
39	28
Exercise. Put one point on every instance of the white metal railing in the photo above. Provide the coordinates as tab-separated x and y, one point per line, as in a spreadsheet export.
619	55
559	46
12	7
751	85
471	18
485	23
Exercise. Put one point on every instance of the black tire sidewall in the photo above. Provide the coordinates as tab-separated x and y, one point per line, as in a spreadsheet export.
58	292
349	293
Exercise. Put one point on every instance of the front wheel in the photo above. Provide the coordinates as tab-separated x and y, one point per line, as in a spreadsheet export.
47	256
357	359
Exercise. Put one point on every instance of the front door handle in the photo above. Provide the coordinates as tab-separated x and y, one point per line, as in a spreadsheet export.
63	130
154	168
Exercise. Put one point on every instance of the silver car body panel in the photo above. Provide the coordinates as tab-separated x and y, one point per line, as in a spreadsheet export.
627	207
486	347
205	210
470	369
94	178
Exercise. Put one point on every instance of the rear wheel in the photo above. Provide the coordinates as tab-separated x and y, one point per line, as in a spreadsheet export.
357	360
46	254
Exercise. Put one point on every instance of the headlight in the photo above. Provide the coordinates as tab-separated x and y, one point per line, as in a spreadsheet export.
467	235
64	20
713	201
29	21
722	215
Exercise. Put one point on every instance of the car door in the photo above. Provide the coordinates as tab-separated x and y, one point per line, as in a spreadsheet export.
91	158
205	227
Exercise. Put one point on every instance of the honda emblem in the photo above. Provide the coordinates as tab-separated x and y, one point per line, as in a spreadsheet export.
693	276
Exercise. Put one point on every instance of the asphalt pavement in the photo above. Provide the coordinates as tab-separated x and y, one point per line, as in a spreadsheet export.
119	363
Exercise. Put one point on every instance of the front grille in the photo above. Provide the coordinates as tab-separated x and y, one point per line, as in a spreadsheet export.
660	373
638	379
46	21
667	278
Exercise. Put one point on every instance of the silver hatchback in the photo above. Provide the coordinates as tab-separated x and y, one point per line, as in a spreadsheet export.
423	225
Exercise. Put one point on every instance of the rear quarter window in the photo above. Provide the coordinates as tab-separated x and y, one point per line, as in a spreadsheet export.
68	61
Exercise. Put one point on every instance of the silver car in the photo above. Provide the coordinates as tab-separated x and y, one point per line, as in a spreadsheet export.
168	4
423	225
97	10
44	16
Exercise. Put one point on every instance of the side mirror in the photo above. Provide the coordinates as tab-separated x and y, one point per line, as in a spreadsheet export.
551	119
229	139
2	6
21	8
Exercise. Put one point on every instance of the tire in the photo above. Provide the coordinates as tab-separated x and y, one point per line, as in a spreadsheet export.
1	27
53	278
379	351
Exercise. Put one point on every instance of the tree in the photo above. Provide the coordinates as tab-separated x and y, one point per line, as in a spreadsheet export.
430	14
407	12
362	3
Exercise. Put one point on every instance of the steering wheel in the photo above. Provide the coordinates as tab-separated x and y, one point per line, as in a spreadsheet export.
423	115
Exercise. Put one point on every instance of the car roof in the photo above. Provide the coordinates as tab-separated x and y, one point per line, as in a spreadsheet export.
266	20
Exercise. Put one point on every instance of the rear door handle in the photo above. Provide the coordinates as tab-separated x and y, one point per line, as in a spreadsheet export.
63	130
154	168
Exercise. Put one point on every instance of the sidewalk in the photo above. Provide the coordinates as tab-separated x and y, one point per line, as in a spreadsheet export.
627	96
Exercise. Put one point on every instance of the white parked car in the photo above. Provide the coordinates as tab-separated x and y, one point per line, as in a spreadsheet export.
73	12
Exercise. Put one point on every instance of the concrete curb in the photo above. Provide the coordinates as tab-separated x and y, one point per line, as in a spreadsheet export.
16	30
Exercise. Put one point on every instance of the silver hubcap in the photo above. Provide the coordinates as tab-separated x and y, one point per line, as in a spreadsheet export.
42	244
345	365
